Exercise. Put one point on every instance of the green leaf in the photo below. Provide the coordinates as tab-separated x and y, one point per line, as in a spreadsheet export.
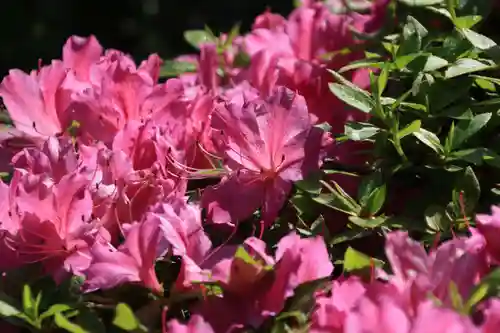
466	22
363	63
337	202
465	66
487	78
478	294
411	128
413	33
467	128
382	79
482	43
358	131
474	155
436	218
467	184
402	61
243	254
456	299
338	199
235	32
348	236
197	37
430	139
477	40
489	286
63	322
368	223
126	319
311	184
421	3
56	308
375	201
356	261
28	302
353	97
303	299
171	68
6	309
91	321
434	63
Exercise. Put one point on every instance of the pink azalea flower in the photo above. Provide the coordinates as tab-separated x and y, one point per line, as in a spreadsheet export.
133	261
34	101
492	317
121	193
431	319
381	313
99	92
116	93
331	312
489	227
415	273
376	313
267	145
255	290
181	226
196	324
52	222
80	53
302	47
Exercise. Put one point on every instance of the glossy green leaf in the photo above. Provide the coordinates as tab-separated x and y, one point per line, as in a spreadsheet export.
357	131
197	37
171	68
467	22
436	219
421	3
56	308
467	128
466	192
368	223
126	319
429	139
353	97
414	126
375	201
357	261
62	322
465	66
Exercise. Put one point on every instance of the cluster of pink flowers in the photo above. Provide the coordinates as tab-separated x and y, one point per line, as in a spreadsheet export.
101	152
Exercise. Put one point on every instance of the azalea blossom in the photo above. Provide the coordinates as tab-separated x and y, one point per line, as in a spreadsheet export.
267	145
133	261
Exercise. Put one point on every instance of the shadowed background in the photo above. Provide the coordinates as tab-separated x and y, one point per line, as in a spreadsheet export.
33	29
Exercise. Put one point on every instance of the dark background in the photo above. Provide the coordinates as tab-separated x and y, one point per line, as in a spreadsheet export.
33	29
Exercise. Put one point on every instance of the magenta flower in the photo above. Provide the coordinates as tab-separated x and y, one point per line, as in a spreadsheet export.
99	92
489	227
267	145
256	289
196	324
303	47
133	261
331	312
52	223
181	227
35	102
492	316
415	273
